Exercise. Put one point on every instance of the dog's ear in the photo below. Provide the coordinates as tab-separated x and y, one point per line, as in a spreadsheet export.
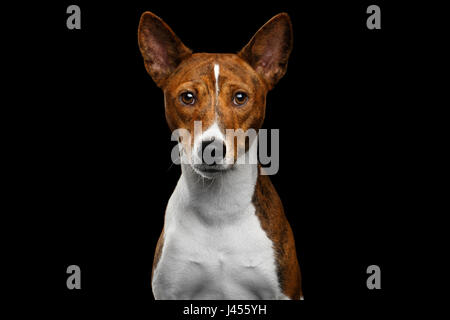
269	49
162	50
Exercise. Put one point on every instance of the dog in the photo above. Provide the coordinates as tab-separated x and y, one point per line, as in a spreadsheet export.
225	234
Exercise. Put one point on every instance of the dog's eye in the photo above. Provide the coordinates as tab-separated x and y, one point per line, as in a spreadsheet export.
187	98
240	98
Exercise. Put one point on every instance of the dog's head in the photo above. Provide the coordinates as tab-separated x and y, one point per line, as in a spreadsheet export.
223	91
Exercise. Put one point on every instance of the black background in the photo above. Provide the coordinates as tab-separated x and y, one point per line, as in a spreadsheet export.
101	173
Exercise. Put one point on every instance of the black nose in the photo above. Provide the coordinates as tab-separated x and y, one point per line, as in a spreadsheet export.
213	151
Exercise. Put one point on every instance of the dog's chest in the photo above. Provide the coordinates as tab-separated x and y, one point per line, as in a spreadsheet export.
221	261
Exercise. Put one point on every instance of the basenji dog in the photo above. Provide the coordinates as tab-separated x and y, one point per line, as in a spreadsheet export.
225	234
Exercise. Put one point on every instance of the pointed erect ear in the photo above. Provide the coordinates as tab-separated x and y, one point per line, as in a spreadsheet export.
162	50
268	51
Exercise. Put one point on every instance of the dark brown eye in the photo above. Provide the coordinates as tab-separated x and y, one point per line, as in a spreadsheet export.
240	98
187	98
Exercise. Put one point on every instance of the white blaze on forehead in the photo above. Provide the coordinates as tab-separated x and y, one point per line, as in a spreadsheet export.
216	76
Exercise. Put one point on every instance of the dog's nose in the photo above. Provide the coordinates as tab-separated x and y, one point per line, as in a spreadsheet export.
213	151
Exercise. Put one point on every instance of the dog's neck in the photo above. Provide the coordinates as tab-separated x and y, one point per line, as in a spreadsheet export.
223	198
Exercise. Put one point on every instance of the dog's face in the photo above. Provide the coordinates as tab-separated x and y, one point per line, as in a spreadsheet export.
223	91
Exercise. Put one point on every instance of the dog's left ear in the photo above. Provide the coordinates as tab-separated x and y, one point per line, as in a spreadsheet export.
161	49
269	49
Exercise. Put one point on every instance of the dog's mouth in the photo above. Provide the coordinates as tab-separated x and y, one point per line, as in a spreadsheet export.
210	171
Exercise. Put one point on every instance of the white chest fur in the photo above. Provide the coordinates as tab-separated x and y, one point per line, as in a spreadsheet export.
214	246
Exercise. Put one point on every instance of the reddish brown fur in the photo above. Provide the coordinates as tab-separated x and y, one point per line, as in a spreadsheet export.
255	70
269	49
158	251
196	74
270	212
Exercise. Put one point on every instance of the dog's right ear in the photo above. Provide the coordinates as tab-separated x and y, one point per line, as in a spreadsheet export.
161	49
269	49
